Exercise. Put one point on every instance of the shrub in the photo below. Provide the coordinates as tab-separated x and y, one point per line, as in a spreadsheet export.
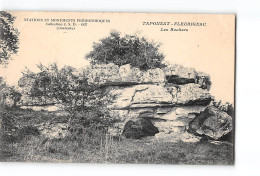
9	95
86	102
204	80
226	107
130	49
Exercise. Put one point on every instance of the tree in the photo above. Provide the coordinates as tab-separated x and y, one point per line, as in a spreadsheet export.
65	86
8	37
50	83
9	95
12	94
130	49
2	88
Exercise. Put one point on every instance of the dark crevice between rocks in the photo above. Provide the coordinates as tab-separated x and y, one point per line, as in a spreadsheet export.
123	84
203	102
175	79
41	105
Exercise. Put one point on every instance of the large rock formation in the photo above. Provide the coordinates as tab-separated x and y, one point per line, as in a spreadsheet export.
170	98
161	102
212	123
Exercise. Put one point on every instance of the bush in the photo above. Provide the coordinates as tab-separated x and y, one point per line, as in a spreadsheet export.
86	102
9	95
130	49
204	80
226	107
62	86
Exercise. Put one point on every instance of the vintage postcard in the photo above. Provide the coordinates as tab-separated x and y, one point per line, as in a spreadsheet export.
143	88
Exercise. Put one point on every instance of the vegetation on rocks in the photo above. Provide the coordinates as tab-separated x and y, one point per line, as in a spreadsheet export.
129	49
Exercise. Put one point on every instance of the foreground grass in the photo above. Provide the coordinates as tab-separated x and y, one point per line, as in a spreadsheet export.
95	147
37	149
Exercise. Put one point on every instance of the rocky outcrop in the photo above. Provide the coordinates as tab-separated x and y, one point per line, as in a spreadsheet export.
171	122
169	98
163	103
174	79
158	95
110	74
211	123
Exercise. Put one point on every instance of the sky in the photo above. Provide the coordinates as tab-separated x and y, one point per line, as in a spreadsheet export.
209	48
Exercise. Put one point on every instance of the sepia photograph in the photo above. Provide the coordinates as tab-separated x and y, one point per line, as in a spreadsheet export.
120	88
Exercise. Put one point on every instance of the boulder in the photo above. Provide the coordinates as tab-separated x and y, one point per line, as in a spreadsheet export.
211	123
138	128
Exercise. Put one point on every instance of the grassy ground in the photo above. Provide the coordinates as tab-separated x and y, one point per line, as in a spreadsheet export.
97	148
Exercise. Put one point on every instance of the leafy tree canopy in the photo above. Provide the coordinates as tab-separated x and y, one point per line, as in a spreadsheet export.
8	37
130	49
8	92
